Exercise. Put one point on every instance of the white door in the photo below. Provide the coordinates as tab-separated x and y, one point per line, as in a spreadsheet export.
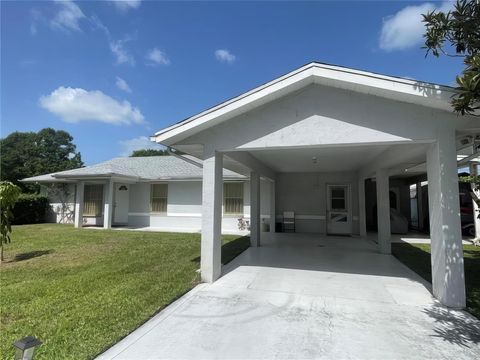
121	204
339	214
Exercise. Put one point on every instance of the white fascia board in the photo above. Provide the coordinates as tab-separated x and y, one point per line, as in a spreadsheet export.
47	181
404	90
236	106
97	177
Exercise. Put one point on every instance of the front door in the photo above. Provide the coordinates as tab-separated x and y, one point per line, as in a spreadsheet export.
339	215
121	204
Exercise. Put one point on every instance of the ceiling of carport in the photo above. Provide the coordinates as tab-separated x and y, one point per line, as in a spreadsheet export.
333	159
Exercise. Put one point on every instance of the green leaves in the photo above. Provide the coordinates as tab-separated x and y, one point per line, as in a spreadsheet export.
26	154
149	152
9	194
459	28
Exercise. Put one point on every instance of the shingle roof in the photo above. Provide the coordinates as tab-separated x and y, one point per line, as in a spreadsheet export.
140	168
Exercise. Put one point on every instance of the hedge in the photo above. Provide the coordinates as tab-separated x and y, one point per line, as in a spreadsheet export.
30	209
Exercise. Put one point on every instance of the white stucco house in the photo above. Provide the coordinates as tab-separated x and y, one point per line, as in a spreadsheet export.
161	193
318	134
335	147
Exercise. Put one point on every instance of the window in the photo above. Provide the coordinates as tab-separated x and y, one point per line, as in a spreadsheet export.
93	200
159	198
233	198
338	198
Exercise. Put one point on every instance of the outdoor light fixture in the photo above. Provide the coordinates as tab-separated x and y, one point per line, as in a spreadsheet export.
25	348
314	159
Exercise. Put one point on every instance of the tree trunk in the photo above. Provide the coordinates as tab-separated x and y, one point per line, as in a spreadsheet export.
1	253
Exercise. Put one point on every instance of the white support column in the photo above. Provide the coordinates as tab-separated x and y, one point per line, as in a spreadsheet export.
383	211
445	230
361	207
79	204
254	209
476	213
108	205
272	207
212	198
420	206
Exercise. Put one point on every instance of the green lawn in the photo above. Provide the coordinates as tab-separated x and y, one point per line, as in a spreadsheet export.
417	258
80	291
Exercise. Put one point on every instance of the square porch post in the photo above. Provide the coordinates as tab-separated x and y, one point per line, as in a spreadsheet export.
272	207
420	214
212	198
383	211
108	206
79	191
254	209
445	230
361	208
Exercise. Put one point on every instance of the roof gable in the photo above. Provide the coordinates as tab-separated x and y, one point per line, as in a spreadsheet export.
399	89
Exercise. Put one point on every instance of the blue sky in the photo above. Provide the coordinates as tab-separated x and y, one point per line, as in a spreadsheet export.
113	73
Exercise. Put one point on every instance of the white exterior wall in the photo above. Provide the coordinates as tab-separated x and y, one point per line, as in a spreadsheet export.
184	208
320	115
306	195
62	203
265	188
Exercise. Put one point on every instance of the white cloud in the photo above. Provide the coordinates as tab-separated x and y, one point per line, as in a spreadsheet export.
125	5
36	17
75	104
405	29
224	55
97	24
33	28
68	16
123	85
157	57
138	143
122	56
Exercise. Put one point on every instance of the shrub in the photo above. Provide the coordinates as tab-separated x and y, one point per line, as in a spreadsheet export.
30	209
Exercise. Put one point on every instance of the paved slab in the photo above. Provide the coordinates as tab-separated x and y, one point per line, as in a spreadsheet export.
305	297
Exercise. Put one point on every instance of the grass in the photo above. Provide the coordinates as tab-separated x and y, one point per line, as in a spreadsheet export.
417	258
80	291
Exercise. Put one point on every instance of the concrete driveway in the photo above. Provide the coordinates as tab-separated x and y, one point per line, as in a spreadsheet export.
307	297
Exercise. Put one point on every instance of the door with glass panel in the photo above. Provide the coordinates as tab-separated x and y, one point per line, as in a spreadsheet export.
339	214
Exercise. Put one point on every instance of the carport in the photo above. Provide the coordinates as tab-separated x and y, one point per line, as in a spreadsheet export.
312	137
304	296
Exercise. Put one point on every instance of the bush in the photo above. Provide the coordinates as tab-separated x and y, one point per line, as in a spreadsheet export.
30	209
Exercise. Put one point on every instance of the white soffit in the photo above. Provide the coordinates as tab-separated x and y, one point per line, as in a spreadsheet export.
399	89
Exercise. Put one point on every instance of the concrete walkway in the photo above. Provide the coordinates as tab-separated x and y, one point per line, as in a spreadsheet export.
304	297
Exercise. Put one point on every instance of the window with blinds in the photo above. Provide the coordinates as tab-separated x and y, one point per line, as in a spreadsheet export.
233	198
93	200
159	198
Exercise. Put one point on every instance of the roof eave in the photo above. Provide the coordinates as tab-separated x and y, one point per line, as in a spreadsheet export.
96	176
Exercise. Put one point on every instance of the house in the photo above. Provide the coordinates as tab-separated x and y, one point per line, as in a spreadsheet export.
159	192
328	140
337	147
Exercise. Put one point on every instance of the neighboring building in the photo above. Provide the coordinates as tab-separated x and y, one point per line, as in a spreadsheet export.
159	192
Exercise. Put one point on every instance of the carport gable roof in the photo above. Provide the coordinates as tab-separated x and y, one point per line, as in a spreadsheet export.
396	88
150	168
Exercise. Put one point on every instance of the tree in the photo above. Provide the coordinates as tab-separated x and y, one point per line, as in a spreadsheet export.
459	28
149	152
26	154
9	194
